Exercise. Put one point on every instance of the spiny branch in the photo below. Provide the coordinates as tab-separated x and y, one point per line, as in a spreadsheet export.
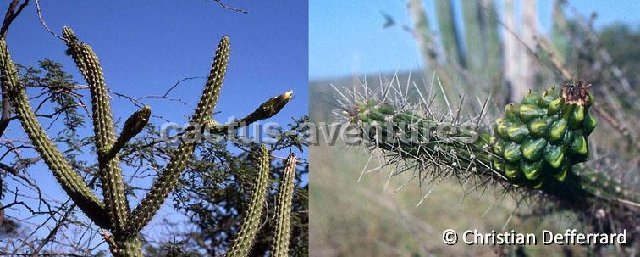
103	127
251	221
266	110
285	195
71	182
166	182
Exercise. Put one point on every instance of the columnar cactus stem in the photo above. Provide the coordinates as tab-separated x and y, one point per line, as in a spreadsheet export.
451	40
129	247
426	43
113	213
491	37
70	181
209	97
164	184
103	127
475	55
269	108
285	195
251	222
535	148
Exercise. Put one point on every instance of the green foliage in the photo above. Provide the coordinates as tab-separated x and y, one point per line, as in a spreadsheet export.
216	186
59	88
171	249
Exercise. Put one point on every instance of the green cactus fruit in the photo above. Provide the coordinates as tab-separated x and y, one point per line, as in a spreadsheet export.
590	123
539	126
512	152
531	170
532	149
543	136
511	171
517	132
512	111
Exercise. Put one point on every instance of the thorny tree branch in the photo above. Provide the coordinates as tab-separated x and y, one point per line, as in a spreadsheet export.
11	14
54	231
43	23
138	100
225	6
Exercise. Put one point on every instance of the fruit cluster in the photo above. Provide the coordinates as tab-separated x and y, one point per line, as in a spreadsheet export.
541	138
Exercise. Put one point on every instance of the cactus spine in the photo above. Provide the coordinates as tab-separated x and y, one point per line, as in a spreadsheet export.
283	230
113	213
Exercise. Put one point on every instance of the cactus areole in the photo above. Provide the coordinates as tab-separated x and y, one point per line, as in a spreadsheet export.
539	139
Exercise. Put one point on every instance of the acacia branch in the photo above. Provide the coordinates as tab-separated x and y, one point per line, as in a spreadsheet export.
225	6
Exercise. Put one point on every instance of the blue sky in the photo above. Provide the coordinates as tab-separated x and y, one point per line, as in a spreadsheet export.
146	46
347	38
